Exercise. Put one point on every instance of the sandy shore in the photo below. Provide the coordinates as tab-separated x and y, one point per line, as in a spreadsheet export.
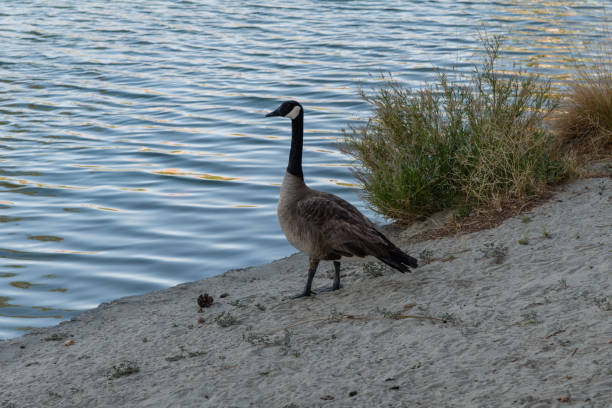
517	316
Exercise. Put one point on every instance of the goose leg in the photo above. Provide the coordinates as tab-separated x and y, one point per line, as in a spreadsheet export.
314	263
336	284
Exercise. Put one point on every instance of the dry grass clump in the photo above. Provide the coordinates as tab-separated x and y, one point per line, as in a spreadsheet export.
584	124
474	143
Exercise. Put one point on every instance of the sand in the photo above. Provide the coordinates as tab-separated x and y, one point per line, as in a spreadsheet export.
517	316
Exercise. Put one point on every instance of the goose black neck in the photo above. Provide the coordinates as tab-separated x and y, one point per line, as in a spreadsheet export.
297	141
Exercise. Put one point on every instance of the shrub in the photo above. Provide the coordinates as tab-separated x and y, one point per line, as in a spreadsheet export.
463	143
584	123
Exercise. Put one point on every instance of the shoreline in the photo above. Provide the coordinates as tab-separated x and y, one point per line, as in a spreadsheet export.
517	315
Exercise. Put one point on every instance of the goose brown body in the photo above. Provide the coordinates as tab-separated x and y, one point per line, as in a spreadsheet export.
325	226
322	225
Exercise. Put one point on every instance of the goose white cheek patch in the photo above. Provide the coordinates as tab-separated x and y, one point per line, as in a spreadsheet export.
294	113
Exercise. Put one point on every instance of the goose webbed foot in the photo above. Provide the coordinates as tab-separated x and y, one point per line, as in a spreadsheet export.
312	292
300	295
311	272
328	289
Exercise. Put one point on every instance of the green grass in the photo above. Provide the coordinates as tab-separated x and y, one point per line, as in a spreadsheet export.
461	143
123	369
497	252
226	319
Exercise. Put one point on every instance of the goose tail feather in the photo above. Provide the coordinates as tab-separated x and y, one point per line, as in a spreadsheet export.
399	260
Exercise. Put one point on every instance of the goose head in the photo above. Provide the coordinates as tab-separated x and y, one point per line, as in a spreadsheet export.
288	109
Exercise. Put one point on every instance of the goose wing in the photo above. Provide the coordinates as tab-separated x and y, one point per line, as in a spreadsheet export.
340	229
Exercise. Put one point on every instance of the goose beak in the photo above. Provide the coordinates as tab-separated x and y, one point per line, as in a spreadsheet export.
275	113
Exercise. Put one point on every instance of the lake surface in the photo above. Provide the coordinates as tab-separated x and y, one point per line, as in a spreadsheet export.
134	152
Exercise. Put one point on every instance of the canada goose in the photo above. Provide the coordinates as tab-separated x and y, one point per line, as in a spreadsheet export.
323	225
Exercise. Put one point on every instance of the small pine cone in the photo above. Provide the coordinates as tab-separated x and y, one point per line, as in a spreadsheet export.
205	300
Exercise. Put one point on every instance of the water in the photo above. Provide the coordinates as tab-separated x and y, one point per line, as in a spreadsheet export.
134	150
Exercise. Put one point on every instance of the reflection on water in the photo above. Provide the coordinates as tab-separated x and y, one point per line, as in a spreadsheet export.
134	150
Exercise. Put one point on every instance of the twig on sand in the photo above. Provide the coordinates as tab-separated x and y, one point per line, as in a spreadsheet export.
555	333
